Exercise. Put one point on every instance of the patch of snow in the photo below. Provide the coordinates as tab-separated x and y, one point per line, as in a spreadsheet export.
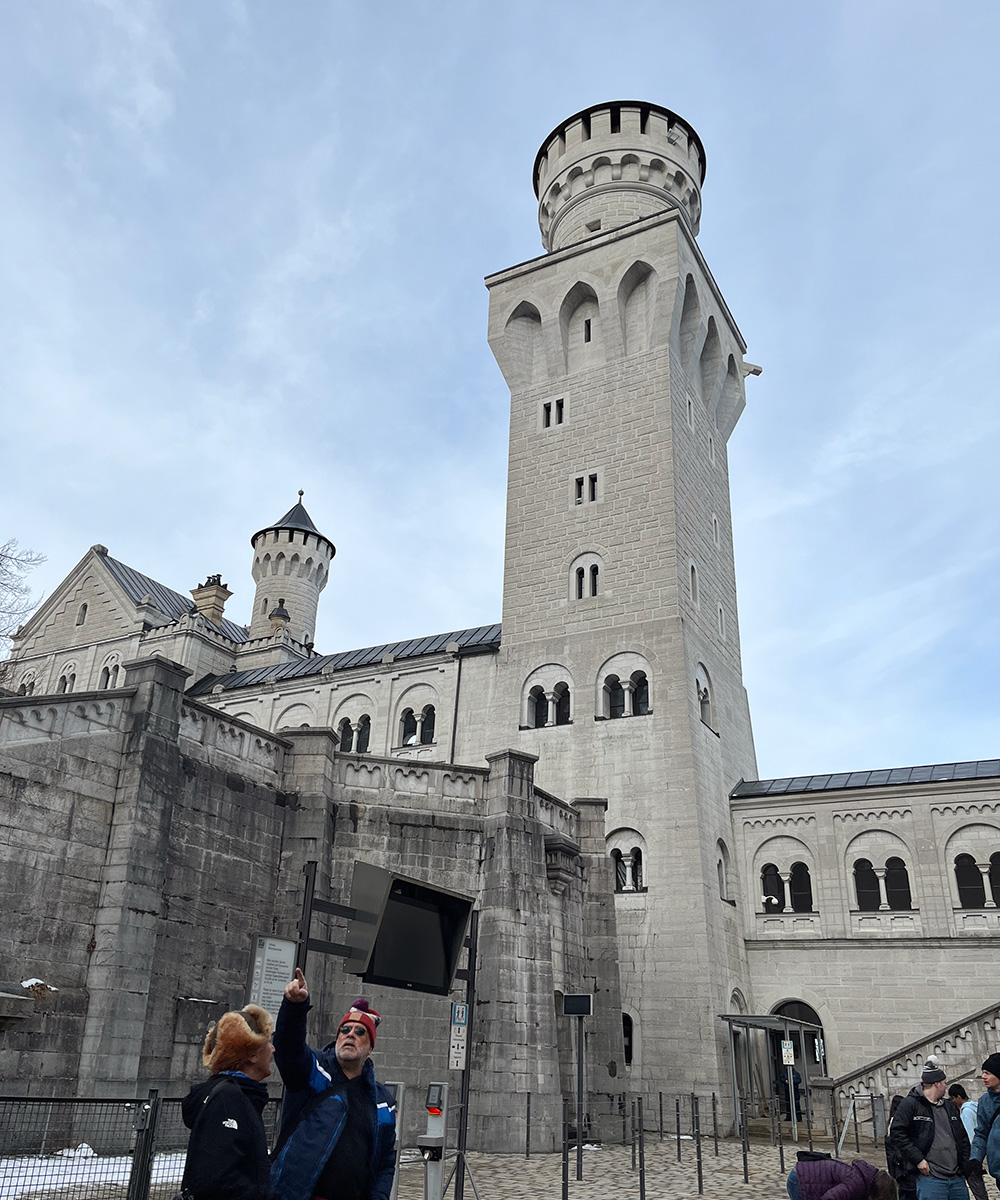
28	983
82	1151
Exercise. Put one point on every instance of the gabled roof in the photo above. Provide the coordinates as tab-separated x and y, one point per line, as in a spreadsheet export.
987	768
172	604
482	640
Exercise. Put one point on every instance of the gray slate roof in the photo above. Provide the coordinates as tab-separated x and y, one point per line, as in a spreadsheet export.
482	640
172	604
987	768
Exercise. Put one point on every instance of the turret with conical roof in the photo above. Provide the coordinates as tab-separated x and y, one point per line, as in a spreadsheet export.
291	565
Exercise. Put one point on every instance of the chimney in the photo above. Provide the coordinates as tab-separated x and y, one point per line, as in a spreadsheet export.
210	599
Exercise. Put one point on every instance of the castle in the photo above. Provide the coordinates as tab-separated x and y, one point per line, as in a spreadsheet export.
167	772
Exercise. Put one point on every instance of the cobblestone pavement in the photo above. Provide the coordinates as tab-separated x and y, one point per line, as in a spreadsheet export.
608	1174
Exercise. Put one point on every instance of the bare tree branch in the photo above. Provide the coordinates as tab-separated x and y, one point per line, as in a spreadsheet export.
15	594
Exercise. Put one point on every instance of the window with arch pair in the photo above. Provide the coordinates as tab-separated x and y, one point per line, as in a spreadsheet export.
355	737
972	877
882	888
549	708
27	687
626	699
799	896
417	729
587	581
66	683
628	870
109	677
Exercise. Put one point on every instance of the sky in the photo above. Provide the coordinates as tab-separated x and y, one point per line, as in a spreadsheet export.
242	248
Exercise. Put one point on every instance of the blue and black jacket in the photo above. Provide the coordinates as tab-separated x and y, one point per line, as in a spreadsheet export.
986	1143
315	1111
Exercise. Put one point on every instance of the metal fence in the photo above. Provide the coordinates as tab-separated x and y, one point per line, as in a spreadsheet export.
76	1149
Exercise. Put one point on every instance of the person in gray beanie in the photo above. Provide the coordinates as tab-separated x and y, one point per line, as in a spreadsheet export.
986	1143
929	1140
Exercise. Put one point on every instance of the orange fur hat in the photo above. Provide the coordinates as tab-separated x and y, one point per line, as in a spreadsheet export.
235	1038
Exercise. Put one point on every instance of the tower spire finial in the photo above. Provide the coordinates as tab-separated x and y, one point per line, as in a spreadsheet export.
301	493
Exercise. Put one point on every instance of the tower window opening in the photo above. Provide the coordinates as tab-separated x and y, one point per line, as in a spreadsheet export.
800	888
538	708
866	887
627	1033
592	488
616	119
81	615
715	529
994	871
561	694
897	885
587	332
346	736
546	415
643	120
427	727
105	677
263	607
690	412
773	888
971	889
559	412
594	573
614	697
711	449
408	728
694	584
585	122
578	486
722	622
581	575
621	870
640	694
364	734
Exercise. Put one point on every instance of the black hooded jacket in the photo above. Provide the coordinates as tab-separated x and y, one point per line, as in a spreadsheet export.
911	1133
227	1151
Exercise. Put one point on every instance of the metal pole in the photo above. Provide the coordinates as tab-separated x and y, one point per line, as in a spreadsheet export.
633	1135
697	1145
661	1116
677	1102
745	1141
624	1104
642	1156
809	1123
305	921
692	1114
565	1150
781	1148
579	1097
833	1124
527	1128
715	1124
470	1000
854	1119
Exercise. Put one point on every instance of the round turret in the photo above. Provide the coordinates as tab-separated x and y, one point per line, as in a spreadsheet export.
291	566
613	164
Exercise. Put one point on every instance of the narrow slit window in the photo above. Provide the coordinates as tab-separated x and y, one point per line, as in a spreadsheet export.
546	415
586	329
559	412
581	576
616	119
594	572
592	488
579	489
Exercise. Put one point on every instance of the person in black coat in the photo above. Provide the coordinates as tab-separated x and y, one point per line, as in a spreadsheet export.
227	1152
929	1141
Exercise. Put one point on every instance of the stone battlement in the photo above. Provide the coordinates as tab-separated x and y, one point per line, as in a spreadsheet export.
613	164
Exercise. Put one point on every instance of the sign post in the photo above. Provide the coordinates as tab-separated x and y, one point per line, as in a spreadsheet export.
580	1005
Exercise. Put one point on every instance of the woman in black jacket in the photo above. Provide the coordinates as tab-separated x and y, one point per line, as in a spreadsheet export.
227	1151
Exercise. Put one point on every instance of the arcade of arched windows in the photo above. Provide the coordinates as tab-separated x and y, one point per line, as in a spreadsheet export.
627	851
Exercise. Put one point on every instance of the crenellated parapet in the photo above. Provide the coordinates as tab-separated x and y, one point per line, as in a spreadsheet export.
613	164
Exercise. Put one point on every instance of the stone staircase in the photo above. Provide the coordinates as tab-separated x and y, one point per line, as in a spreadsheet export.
959	1048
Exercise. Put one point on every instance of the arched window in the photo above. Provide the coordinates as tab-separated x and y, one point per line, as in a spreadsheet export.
772	887
538	708
104	682
346	735
561	693
640	694
897	885
594	572
994	872
722	868
866	886
627	1038
614	695
407	728
581	577
694	584
800	888
81	615
263	607
364	734
637	869
427	727
703	690
114	676
971	892
621	870
61	685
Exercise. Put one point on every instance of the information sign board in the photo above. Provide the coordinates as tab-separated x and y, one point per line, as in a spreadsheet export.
273	966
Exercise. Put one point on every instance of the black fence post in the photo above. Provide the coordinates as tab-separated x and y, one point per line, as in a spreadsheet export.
715	1123
633	1135
624	1107
565	1150
781	1147
697	1145
678	1114
527	1128
145	1143
809	1124
661	1116
854	1115
833	1125
642	1156
745	1132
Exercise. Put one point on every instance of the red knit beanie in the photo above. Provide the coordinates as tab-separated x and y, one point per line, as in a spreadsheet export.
363	1013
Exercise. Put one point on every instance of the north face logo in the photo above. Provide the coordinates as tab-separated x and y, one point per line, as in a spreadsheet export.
229	1123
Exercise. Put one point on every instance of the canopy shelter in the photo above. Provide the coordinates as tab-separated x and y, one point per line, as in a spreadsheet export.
771	1023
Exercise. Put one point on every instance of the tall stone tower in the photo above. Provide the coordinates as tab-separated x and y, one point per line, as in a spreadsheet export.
620	664
291	566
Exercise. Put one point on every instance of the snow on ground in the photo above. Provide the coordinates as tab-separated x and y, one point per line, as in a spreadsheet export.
23	1176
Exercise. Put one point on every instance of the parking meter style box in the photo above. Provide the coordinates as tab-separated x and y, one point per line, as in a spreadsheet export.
405	933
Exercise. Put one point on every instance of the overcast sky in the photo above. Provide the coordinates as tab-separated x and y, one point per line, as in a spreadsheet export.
243	244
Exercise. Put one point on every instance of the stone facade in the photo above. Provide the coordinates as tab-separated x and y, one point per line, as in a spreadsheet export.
617	676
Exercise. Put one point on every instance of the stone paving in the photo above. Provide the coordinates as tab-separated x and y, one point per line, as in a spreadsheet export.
608	1174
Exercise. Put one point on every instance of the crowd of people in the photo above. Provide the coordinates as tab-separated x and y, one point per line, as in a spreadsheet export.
939	1145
